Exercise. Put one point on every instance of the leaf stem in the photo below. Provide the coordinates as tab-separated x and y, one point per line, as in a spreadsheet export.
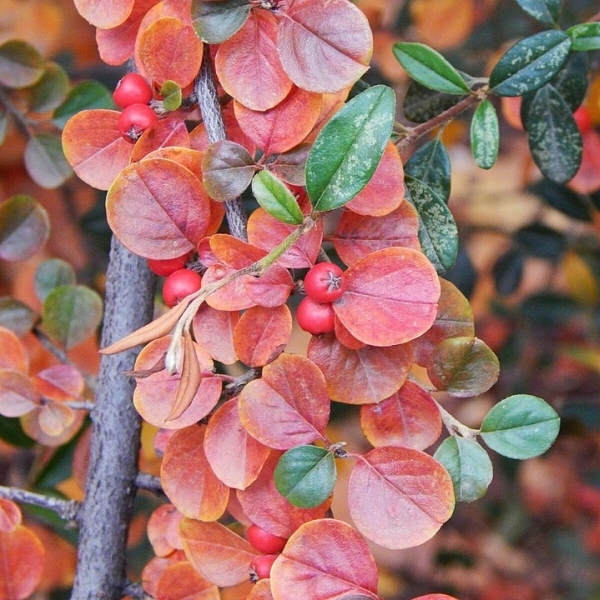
454	426
67	510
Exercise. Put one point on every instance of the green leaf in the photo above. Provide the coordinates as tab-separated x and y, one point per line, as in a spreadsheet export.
521	426
21	64
438	233
508	271
12	433
530	63
24	227
469	467
429	68
541	241
3	126
171	95
431	165
275	197
485	135
50	90
546	12
348	149
422	104
305	475
71	314
84	96
17	316
50	274
585	36
554	138
45	160
216	22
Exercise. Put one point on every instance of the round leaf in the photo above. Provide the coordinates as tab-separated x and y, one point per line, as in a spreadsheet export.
21	64
16	316
275	197
45	160
50	274
86	95
104	14
521	426
216	22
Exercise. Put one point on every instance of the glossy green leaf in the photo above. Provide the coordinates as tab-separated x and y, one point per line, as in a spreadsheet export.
541	241
24	227
84	96
12	433
429	68
585	36
554	138
463	367
422	104
71	314
530	63
50	274
521	426
45	160
16	316
438	233
563	199
305	475
485	135
216	22
550	309
276	198
546	12
431	165
50	90
21	64
171	95
349	147
469	467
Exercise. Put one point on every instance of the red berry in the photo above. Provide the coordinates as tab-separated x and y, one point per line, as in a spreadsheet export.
132	89
325	282
583	118
134	120
315	317
261	566
263	541
180	284
167	266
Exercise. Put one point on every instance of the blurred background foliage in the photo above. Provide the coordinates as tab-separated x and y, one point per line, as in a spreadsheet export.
529	263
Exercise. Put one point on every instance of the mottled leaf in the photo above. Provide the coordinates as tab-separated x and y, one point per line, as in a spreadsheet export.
485	135
431	164
585	36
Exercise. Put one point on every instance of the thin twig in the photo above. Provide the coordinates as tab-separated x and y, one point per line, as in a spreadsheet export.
145	481
66	509
237	385
135	590
454	426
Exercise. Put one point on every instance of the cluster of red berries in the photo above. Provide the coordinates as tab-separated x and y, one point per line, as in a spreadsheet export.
133	94
269	545
323	284
180	281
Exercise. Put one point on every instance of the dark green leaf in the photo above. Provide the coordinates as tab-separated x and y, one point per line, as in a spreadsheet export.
216	22
546	12
17	316
508	271
71	314
275	197
485	135
21	64
50	90
563	199
421	103
24	228
429	68
349	148
469	467
438	233
50	274
171	95
541	241
554	138
521	426
45	160
305	475
530	63
3	125
86	95
12	433
585	36
549	309
431	165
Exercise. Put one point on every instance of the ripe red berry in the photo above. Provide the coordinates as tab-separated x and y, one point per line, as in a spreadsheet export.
180	284
325	282
261	566
583	118
167	266
134	120
315	317
263	541
132	89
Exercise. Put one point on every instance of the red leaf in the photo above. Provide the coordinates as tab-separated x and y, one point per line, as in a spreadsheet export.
187	479
363	376
272	288
285	125
248	65
167	133
217	553
94	147
181	581
13	355
213	330
163	530
60	383
323	560
409	418
167	203
155	568
435	597
10	515
288	406
18	396
399	497
314	54
391	297
104	14
234	455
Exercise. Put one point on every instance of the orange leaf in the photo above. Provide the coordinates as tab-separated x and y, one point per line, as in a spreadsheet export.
13	355
188	480
181	581
10	515
163	530
104	14
60	383
55	418
170	135
323	560
213	330
261	591
399	497
17	394
155	568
